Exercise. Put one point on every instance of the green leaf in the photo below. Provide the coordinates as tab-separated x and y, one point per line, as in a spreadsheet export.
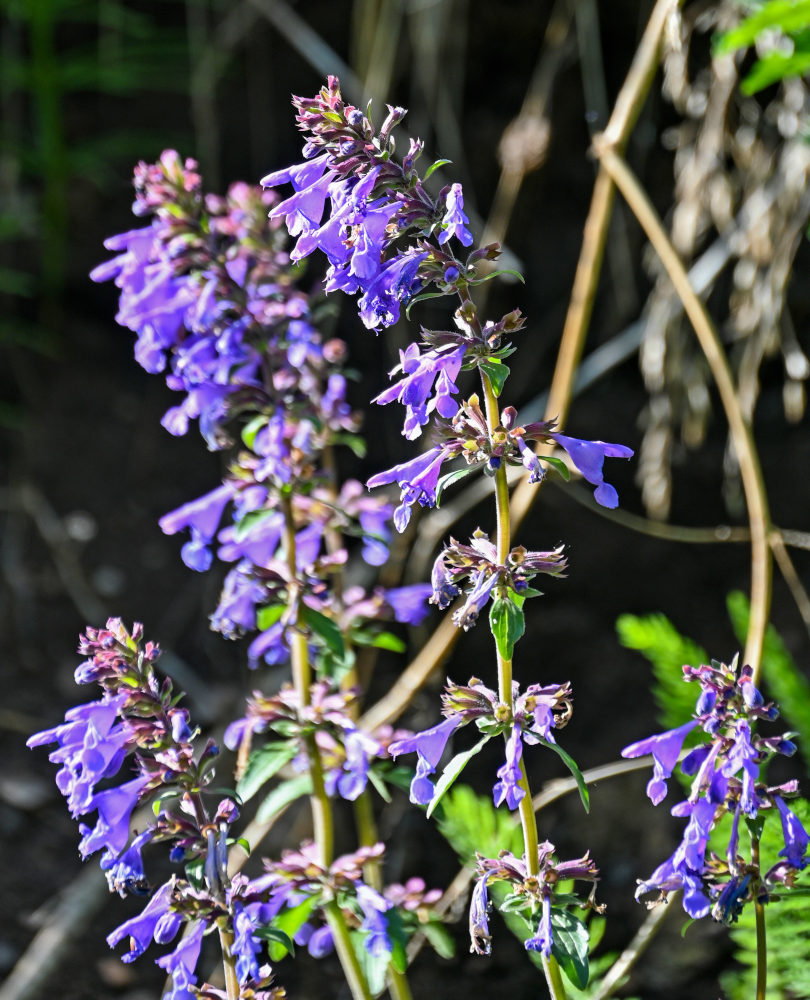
269	615
279	943
452	771
439	938
513	902
262	765
772	68
422	297
452	477
333	116
252	428
495	274
557	464
572	766
396	934
289	922
379	784
785	15
435	166
326	629
282	796
570	946
374	967
496	372
353	441
507	624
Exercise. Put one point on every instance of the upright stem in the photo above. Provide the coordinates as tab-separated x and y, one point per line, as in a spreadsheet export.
229	963
762	944
528	820
322	819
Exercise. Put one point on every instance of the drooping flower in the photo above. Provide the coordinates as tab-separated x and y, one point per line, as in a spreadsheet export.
507	788
423	371
455	222
665	748
141	928
589	458
115	806
418	479
429	746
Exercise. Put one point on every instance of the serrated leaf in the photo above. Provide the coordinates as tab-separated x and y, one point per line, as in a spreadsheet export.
262	765
496	372
282	796
452	477
452	771
572	766
269	615
435	166
570	946
326	629
507	624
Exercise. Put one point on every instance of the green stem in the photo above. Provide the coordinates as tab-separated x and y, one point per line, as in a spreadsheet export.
322	818
229	963
762	951
346	953
554	980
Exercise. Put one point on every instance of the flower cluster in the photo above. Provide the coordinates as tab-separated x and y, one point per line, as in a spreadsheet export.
725	773
531	717
531	893
477	564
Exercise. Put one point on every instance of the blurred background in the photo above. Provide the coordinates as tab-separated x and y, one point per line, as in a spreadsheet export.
511	93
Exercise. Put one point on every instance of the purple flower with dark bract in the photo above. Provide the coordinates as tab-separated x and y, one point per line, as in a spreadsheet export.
429	746
665	748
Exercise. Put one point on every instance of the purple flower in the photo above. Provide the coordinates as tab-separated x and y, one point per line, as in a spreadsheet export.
796	838
507	788
409	604
321	942
429	746
413	391
665	748
589	458
91	747
246	946
376	534
467	615
115	807
396	283
182	962
479	924
542	941
375	924
455	222
418	479
141	929
125	873
202	516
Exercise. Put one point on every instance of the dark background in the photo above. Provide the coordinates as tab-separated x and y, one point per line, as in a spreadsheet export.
89	88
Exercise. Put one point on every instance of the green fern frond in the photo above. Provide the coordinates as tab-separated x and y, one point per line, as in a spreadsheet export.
657	639
470	823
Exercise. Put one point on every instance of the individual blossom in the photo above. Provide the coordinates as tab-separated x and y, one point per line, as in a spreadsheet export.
455	222
428	384
429	746
418	480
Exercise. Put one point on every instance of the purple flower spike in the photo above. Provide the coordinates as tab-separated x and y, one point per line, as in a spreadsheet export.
665	748
396	283
115	807
507	788
455	221
796	837
429	747
589	458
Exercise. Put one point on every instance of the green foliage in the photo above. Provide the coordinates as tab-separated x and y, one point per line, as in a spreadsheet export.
791	19
787	922
783	681
656	638
470	823
263	764
453	771
507	624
